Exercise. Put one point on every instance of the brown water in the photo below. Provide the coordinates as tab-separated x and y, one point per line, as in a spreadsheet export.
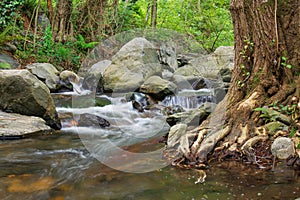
59	167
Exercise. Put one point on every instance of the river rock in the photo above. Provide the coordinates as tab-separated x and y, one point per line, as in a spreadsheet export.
175	133
282	148
21	92
92	121
68	78
131	66
93	80
167	56
192	117
158	88
8	62
47	73
17	126
209	65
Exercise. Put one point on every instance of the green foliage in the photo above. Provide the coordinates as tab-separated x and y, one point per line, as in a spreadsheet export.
4	65
9	12
209	22
82	45
266	114
284	63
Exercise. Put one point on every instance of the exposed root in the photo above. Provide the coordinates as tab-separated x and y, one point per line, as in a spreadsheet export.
209	143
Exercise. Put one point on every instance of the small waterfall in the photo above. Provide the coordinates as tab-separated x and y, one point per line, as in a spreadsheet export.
190	99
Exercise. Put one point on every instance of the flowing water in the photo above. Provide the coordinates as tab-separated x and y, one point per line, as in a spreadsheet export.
66	164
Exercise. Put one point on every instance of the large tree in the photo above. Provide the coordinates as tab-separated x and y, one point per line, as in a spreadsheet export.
267	60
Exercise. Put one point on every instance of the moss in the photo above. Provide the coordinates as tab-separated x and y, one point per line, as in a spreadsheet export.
4	65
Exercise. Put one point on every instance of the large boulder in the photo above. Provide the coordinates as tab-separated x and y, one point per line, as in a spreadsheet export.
21	92
209	65
47	73
131	66
21	125
158	88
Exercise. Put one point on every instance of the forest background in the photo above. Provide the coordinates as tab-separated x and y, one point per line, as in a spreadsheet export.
62	32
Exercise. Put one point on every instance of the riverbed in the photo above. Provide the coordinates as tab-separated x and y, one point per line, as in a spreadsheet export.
62	165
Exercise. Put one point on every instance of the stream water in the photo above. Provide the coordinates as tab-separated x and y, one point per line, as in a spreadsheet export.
66	164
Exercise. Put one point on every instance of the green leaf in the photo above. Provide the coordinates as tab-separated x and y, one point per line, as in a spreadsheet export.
292	132
260	109
289	66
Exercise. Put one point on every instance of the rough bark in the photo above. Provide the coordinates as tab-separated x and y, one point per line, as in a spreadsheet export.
154	14
62	27
265	32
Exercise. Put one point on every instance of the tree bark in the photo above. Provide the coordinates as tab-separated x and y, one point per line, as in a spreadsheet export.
266	40
62	27
50	10
154	14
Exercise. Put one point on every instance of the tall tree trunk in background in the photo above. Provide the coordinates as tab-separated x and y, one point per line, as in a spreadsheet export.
62	27
154	13
50	10
92	21
266	39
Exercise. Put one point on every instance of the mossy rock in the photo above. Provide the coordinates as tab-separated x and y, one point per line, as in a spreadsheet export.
4	65
102	101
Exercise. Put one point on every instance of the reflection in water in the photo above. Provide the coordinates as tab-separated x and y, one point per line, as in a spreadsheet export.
59	166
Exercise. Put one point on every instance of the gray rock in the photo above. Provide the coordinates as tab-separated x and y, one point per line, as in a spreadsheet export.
208	65
6	60
17	126
192	117
9	48
167	56
282	148
184	82
175	134
91	120
93	78
21	92
47	73
131	66
158	88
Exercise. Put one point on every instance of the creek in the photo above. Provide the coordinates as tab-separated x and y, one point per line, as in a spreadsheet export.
66	164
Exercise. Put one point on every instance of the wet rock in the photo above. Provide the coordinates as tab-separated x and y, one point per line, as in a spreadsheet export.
200	83
15	126
158	88
47	73
192	117
175	134
138	106
93	121
184	82
93	79
21	92
68	78
282	148
102	101
131	66
8	62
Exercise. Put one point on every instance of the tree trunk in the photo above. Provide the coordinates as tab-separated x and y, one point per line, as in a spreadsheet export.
267	60
50	9
154	14
62	27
